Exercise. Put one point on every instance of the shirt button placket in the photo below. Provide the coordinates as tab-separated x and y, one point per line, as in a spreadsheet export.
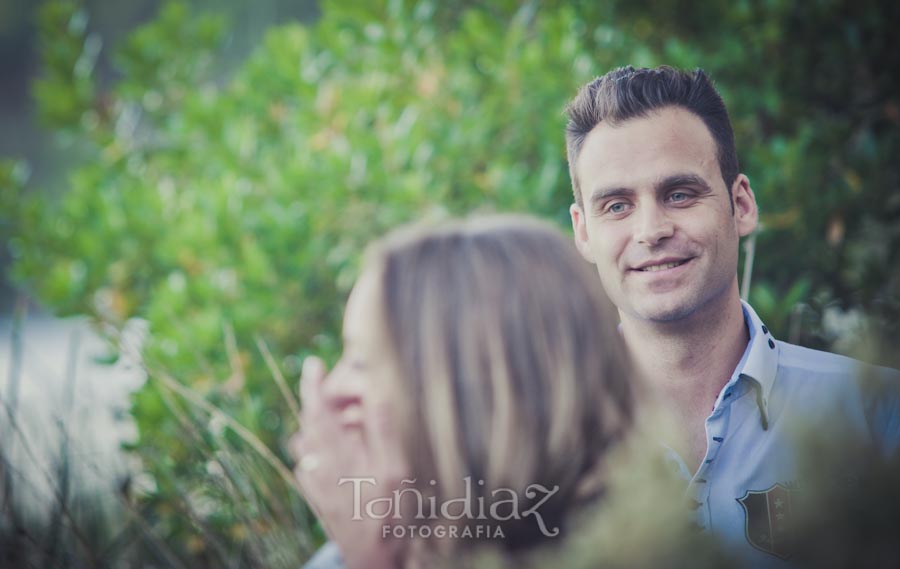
700	490
714	433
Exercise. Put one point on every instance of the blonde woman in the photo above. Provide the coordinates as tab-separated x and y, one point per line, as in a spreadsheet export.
481	387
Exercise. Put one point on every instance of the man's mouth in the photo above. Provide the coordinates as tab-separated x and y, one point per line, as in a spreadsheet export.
662	266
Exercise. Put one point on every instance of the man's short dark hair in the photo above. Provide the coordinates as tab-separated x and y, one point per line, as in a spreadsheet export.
626	93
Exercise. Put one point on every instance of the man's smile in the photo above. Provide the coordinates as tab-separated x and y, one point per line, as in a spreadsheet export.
661	265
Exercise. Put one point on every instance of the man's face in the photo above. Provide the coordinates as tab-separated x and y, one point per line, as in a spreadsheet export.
657	218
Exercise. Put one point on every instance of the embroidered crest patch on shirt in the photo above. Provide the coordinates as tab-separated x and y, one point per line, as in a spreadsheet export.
767	517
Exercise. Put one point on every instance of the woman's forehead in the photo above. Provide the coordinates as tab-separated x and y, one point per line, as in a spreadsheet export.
361	312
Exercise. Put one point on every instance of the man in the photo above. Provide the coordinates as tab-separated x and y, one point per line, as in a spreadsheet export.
660	205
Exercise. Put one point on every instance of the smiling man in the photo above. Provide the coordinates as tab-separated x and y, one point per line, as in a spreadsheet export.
660	207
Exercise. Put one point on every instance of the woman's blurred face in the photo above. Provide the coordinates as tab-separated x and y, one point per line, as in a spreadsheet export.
348	429
365	374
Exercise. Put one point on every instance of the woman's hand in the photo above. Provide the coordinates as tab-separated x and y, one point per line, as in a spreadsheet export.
348	454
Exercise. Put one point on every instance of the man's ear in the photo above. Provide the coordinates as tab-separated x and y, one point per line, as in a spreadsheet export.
579	227
746	215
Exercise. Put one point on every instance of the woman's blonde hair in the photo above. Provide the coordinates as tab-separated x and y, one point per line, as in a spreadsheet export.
515	372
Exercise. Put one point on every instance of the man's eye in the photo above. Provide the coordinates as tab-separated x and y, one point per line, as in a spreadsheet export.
617	207
678	197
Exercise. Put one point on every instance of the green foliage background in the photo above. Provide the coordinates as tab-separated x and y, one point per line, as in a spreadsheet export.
230	211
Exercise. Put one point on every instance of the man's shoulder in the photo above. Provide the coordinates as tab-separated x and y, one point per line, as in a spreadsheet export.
805	373
843	387
817	363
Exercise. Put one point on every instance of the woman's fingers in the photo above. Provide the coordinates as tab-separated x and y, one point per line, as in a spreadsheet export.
295	446
307	446
312	376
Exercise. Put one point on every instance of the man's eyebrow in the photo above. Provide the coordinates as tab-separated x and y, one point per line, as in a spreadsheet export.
677	180
601	194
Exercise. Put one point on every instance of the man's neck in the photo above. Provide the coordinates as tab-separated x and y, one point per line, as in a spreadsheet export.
690	360
686	363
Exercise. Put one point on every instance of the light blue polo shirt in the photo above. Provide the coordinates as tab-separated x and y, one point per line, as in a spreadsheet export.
742	491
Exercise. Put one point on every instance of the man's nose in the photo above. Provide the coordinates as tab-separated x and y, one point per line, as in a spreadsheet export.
652	225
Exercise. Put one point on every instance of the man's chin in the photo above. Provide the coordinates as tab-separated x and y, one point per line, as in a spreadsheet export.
665	312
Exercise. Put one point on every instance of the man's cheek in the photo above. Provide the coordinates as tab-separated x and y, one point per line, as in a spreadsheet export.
611	285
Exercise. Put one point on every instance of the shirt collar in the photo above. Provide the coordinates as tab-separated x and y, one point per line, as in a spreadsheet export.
760	361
